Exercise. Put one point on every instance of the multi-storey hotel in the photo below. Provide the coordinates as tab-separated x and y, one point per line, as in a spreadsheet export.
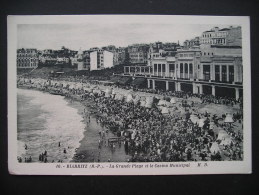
27	58
101	59
214	69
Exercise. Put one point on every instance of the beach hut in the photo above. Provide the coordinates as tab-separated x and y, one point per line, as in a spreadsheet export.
214	148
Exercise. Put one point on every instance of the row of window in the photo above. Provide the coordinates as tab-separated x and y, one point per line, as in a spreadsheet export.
186	55
213	41
27	64
27	60
26	55
218	34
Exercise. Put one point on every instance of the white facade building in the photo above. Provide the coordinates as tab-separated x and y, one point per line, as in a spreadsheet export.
101	60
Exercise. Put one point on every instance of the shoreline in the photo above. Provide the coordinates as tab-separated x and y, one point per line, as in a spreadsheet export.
88	149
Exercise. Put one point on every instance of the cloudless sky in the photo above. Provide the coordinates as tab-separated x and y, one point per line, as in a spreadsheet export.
74	36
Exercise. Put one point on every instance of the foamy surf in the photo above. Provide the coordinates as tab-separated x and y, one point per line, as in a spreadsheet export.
60	127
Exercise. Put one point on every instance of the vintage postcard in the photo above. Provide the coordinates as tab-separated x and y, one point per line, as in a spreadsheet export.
129	95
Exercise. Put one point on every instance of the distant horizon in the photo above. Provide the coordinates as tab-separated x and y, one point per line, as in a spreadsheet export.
86	36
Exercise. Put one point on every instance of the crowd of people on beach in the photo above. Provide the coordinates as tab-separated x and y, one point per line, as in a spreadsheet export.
150	136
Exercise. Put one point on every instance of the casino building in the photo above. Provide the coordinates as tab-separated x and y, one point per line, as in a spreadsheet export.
214	69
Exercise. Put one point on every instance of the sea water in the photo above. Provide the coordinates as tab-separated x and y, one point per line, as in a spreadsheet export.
44	121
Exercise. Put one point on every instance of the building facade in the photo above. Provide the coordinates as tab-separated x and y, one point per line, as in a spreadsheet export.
231	36
138	53
101	60
218	74
27	58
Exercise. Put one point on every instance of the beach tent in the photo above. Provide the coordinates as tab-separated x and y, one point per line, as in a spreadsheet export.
142	103
194	118
212	125
97	91
135	101
162	103
229	118
129	97
165	110
149	100
222	134
137	97
108	91
201	122
168	104
226	141
214	148
119	97
173	101
142	98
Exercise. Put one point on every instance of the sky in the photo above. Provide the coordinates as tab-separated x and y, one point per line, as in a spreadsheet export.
85	36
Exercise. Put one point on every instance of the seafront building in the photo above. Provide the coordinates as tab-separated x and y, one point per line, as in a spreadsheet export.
138	54
27	58
214	67
101	59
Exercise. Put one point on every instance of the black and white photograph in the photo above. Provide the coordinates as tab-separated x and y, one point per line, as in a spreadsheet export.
129	95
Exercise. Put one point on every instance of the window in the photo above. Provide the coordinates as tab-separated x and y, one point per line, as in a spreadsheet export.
159	67
231	73
217	73
206	72
181	68
224	73
186	68
155	67
171	67
190	69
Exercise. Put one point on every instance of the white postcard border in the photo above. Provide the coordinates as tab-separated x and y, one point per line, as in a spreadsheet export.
156	168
